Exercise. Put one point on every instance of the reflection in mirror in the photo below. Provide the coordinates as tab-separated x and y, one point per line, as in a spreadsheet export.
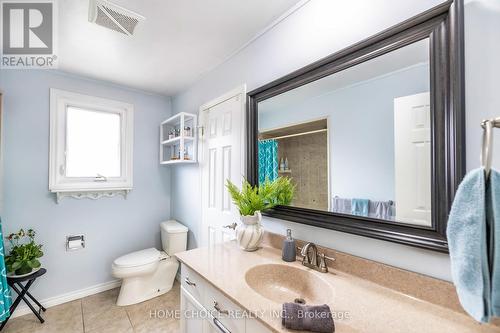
356	142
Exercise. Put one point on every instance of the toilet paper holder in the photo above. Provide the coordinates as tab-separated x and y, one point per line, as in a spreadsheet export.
75	242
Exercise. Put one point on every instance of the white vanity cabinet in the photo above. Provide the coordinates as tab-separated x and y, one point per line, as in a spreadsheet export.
204	309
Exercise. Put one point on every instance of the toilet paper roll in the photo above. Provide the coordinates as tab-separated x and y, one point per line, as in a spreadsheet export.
75	244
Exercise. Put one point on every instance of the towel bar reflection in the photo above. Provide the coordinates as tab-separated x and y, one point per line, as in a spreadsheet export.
487	146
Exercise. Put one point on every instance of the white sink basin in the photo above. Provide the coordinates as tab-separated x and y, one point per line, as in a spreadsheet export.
283	283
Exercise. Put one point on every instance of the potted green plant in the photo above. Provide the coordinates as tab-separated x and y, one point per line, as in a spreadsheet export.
251	201
24	253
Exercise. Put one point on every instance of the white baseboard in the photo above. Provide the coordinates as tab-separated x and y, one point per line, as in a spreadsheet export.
22	309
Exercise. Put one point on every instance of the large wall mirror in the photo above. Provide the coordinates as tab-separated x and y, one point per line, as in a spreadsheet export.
372	136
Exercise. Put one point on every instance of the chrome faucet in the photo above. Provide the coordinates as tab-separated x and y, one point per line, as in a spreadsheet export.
311	258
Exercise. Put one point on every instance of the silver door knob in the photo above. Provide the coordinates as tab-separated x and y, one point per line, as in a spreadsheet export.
231	226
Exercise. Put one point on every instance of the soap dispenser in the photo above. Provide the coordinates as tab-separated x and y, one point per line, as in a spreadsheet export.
289	251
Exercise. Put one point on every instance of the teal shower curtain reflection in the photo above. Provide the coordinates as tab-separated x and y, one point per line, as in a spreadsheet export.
268	160
5	298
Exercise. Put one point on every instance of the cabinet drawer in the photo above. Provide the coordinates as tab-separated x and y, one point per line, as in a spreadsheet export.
193	283
190	306
229	315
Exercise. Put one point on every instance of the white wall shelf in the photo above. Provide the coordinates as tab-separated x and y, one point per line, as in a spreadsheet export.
175	141
178	139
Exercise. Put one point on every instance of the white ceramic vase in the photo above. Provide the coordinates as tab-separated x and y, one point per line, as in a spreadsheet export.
250	232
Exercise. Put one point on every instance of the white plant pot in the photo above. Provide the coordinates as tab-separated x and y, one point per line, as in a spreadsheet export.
13	275
250	232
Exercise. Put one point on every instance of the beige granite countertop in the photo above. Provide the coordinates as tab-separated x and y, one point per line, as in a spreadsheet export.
371	308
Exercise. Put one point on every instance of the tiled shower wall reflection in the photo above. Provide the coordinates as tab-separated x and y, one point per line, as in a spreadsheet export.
308	161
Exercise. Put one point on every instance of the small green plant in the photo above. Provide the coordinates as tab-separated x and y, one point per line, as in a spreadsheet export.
24	252
263	197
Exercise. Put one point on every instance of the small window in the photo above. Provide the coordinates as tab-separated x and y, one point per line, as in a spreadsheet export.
92	143
90	146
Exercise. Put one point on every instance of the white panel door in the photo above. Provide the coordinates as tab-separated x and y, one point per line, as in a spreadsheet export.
222	159
412	136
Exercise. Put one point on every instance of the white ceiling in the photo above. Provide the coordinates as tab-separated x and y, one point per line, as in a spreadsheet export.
178	42
405	57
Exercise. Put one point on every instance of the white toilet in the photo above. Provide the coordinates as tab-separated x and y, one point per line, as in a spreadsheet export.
149	273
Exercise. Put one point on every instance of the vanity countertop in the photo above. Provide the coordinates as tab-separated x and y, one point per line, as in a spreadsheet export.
370	307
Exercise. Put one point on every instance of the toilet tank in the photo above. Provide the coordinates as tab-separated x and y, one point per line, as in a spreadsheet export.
173	237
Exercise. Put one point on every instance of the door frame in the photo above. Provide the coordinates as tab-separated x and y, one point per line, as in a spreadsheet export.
239	90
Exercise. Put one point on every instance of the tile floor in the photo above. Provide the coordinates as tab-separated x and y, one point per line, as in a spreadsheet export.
99	314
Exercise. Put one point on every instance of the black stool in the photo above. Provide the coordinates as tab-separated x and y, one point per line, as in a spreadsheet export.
22	291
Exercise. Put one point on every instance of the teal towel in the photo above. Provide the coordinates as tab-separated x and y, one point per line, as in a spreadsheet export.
493	202
467	241
360	207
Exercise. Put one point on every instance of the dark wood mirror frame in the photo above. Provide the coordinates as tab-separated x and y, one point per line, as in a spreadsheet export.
443	25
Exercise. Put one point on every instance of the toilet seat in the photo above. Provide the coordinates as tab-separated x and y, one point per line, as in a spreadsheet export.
138	258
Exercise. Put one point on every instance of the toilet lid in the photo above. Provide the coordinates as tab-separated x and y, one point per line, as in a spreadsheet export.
138	258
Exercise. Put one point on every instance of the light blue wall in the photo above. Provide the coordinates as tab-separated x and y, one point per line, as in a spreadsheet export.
482	74
361	130
112	226
316	30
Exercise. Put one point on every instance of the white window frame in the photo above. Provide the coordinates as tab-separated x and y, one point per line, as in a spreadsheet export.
87	187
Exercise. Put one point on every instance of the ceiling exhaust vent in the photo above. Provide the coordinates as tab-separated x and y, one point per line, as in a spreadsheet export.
114	17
